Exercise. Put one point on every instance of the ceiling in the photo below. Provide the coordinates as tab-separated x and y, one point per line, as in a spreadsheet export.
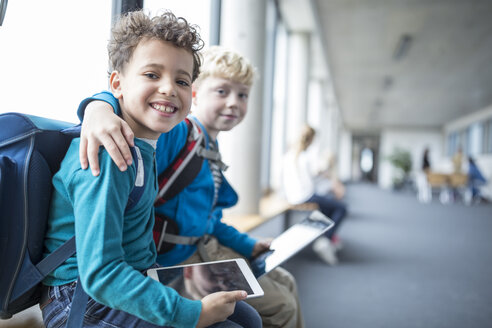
402	63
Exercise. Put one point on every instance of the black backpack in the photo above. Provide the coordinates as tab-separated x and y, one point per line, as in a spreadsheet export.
31	150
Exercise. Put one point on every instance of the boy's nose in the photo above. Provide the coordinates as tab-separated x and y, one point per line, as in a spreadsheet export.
167	87
233	100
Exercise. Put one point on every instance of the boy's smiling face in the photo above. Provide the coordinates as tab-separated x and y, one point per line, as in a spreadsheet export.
154	90
221	104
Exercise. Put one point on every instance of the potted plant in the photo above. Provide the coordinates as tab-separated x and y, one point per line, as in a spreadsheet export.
402	162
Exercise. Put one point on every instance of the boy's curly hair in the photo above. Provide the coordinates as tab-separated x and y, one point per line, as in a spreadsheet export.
133	27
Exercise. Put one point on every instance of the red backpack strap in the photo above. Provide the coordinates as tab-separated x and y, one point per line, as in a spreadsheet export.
184	168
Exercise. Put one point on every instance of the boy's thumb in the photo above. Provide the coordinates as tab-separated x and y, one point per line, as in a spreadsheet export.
235	296
238	295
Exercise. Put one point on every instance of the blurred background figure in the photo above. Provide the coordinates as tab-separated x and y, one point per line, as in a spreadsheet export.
426	165
458	160
421	180
475	181
299	175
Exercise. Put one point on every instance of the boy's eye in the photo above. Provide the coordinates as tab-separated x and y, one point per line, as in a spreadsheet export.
243	95
221	92
151	75
183	83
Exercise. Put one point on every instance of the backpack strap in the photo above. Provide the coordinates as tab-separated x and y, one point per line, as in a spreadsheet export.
179	174
138	188
212	155
185	167
77	310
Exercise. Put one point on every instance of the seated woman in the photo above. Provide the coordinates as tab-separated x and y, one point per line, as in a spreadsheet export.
298	178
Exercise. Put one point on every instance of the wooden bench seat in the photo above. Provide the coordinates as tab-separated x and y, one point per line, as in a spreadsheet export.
270	207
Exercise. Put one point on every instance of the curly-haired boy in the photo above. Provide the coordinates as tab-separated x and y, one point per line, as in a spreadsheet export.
154	61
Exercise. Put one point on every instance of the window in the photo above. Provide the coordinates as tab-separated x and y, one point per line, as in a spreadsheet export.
489	137
453	142
278	133
53	55
475	139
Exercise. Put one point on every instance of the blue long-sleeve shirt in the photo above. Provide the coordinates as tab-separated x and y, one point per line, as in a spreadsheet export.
113	246
192	208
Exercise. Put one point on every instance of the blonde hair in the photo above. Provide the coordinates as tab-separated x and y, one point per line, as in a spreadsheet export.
306	138
225	63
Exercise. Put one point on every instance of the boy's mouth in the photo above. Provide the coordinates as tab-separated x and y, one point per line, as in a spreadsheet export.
229	117
164	108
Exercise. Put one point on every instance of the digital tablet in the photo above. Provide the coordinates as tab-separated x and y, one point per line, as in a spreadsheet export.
195	281
291	241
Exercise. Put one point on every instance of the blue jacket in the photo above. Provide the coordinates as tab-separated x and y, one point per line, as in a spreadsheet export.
192	207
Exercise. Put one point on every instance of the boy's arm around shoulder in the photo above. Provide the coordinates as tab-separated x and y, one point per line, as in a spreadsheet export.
101	127
105	96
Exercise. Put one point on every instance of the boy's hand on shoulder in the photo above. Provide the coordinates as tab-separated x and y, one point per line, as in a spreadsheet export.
261	246
101	127
218	306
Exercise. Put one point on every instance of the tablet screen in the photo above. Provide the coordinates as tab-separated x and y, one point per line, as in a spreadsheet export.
291	241
198	280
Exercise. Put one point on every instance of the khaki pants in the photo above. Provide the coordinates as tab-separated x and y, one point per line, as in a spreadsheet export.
279	307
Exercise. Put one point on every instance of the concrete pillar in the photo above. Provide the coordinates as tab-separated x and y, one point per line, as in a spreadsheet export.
297	88
345	156
243	29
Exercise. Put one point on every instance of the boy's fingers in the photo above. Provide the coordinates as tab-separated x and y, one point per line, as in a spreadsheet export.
122	142
92	154
114	152
128	133
83	153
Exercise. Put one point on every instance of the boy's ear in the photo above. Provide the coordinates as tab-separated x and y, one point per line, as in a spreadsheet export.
115	84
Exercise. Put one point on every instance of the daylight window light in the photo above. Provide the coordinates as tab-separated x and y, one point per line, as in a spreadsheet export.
402	47
3	10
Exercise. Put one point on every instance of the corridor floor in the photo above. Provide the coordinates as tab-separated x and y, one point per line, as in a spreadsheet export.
404	264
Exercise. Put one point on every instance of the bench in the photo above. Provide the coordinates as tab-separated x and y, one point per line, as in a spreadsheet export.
271	206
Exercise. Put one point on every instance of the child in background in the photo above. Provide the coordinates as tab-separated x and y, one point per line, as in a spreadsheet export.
154	62
220	96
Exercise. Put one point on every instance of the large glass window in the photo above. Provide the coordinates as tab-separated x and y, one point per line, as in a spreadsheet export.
53	54
453	142
475	139
489	137
279	105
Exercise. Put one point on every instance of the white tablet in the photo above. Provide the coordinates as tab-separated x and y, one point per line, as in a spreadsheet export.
291	241
195	281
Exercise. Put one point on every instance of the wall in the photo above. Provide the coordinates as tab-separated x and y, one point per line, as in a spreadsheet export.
413	140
